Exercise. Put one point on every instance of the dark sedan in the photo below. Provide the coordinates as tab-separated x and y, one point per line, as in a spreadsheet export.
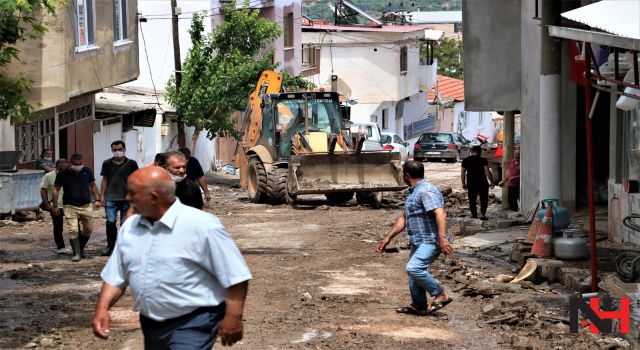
451	146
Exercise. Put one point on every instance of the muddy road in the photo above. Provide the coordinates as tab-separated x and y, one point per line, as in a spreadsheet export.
317	284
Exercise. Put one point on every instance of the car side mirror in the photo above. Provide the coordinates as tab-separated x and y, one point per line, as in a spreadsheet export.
405	144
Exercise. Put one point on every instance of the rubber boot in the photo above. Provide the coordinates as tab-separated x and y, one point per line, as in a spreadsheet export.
112	235
83	242
75	245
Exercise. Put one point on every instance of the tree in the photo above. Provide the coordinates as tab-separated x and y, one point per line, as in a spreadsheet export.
449	53
221	69
18	23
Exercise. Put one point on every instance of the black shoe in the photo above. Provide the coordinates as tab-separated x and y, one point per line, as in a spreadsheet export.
106	251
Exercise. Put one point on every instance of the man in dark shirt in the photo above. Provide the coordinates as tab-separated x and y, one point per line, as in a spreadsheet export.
115	172
477	181
195	172
186	189
78	182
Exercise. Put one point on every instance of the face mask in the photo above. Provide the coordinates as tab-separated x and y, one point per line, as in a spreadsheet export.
76	168
118	154
178	178
48	158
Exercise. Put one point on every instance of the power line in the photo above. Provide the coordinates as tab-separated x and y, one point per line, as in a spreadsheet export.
146	54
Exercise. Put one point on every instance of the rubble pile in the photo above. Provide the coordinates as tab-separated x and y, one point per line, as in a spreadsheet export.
512	309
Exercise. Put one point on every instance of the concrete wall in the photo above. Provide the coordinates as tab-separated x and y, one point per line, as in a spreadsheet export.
7	136
492	62
59	72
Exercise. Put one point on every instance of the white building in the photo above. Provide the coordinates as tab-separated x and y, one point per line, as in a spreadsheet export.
145	139
379	67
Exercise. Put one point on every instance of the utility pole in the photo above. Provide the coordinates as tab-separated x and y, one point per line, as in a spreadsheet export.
178	66
507	153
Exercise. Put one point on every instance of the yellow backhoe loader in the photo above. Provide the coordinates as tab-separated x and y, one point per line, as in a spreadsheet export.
297	143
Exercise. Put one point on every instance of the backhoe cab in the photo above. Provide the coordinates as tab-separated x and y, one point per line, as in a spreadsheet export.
297	143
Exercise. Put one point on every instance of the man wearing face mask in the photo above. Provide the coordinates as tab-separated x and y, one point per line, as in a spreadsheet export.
115	172
186	189
78	182
46	161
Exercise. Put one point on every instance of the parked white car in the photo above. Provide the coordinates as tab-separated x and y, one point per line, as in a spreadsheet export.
394	142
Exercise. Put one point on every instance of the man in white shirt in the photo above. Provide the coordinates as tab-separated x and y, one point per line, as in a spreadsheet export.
188	279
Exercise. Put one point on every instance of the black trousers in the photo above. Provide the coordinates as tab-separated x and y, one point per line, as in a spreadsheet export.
58	222
472	193
514	195
196	330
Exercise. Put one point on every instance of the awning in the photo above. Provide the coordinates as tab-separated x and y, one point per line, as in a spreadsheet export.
619	17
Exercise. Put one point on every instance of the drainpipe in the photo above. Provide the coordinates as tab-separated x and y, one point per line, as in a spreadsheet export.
550	122
591	197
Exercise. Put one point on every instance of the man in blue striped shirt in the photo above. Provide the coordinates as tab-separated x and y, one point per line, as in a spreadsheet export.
426	222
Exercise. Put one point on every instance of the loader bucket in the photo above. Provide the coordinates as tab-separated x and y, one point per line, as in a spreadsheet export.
345	172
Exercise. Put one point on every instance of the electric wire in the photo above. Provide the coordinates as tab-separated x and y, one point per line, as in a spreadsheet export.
146	54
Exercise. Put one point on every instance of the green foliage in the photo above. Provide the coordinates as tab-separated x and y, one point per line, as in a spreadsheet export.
19	22
222	68
296	82
450	55
321	10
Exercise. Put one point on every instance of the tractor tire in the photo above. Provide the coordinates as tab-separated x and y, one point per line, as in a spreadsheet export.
257	181
277	187
339	197
374	199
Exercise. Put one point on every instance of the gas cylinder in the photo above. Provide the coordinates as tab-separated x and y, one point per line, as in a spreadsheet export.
561	218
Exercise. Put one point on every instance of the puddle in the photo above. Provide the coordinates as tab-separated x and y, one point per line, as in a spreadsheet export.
312	334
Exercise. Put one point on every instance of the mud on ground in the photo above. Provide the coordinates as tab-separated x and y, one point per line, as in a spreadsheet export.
317	284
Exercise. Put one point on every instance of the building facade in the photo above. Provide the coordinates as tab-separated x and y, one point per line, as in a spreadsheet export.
89	45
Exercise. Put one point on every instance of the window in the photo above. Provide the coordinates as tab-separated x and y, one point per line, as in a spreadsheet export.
397	139
119	20
32	138
288	30
308	57
403	59
85	24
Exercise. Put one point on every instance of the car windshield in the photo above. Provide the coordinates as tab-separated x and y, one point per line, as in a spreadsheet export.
433	137
386	139
324	116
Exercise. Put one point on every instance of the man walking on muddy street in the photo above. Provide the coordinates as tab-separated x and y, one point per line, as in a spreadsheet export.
113	187
46	192
188	279
77	182
476	179
426	222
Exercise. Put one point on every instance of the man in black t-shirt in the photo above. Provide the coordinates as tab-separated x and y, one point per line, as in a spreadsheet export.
186	189
195	172
115	172
77	182
476	179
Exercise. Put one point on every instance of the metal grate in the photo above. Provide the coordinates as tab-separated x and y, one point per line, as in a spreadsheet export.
74	115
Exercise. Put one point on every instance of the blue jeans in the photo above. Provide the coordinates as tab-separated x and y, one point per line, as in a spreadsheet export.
111	209
421	281
196	330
